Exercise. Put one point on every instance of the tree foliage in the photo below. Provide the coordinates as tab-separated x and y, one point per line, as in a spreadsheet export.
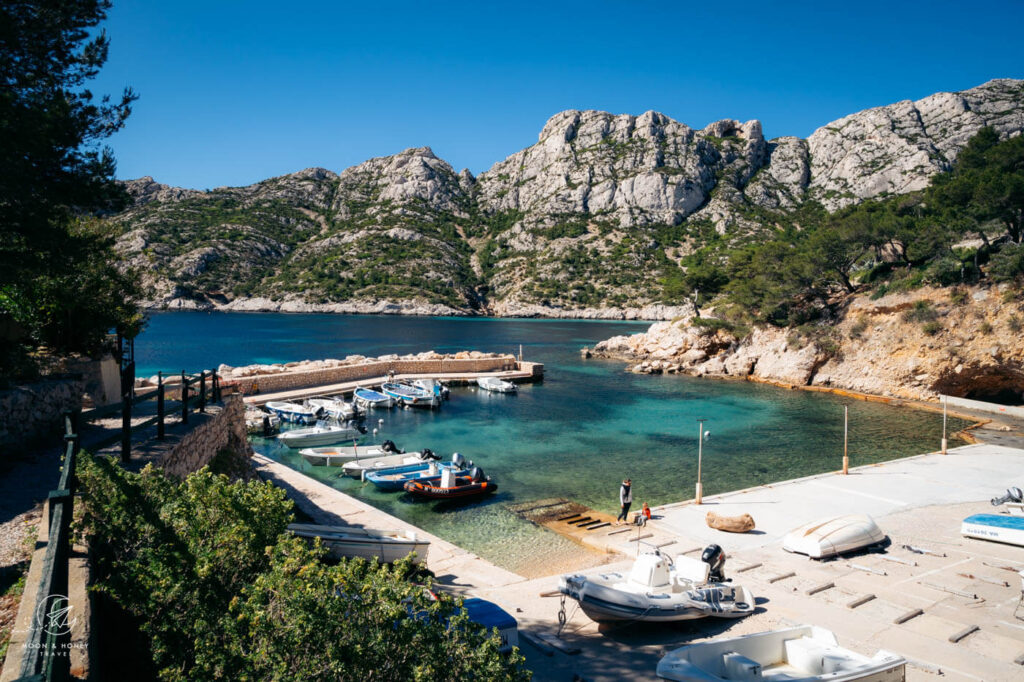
59	286
223	592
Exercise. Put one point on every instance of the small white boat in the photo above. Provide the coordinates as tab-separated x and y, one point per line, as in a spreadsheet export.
412	396
660	590
801	654
368	398
337	455
349	541
318	435
260	423
834	535
432	386
292	412
335	409
996	527
496	385
357	468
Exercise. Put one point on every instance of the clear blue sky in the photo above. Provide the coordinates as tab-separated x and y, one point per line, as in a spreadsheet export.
235	92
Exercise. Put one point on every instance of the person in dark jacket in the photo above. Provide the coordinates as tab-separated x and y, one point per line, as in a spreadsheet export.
625	499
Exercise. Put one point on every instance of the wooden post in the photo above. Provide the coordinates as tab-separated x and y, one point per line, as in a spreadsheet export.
217	397
700	456
126	416
160	433
944	425
184	398
846	432
202	391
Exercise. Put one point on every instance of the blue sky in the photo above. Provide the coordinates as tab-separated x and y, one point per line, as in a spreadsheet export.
235	92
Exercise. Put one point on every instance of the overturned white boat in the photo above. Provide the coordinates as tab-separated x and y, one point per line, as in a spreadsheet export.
349	541
333	408
659	589
801	654
496	385
337	455
834	535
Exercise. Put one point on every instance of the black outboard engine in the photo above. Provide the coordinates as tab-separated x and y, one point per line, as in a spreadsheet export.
429	454
361	428
1012	495
714	556
389	446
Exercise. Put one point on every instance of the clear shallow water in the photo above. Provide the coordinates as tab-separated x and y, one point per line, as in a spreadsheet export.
577	434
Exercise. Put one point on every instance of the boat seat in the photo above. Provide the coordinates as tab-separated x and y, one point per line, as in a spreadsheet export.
690	570
739	667
812	656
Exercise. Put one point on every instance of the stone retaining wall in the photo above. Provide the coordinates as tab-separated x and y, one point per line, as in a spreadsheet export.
32	413
272	383
224	428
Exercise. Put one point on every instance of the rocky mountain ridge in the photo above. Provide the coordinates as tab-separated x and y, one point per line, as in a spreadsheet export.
589	221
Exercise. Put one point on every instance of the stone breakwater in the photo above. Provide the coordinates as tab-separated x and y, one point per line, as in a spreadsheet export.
282	377
222	432
915	345
32	412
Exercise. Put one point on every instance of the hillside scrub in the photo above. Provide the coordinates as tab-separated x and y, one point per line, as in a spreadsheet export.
219	590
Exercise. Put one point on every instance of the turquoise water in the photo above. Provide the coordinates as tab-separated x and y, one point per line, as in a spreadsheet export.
577	434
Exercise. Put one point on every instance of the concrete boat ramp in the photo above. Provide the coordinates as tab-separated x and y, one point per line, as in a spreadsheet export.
945	602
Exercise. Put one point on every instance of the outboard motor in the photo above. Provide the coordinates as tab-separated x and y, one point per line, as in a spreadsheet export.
429	454
361	428
389	446
714	556
477	475
1012	495
458	460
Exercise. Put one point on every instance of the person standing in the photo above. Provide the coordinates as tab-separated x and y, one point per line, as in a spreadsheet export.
625	499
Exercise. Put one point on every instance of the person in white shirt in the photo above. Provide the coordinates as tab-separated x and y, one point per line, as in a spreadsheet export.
625	499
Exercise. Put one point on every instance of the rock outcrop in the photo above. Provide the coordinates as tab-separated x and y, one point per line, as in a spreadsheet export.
591	220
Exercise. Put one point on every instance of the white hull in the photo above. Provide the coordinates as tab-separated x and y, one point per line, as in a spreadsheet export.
292	412
356	468
317	435
800	654
496	385
834	535
350	542
384	401
339	455
335	409
995	527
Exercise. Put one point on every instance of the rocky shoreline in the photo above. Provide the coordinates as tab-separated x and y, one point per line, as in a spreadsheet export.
916	345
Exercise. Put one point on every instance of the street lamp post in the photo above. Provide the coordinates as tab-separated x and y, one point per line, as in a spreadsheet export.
700	457
943	424
846	439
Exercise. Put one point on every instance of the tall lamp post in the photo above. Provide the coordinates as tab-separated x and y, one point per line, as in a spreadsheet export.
700	458
846	439
943	424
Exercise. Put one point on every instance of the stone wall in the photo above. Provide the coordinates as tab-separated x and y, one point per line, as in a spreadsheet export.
270	383
32	413
223	428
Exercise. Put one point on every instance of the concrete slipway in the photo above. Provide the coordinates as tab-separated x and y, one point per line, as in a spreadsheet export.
953	586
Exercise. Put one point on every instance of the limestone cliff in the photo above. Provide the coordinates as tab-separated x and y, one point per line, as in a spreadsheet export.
591	221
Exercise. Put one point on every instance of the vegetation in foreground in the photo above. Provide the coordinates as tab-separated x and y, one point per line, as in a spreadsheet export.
220	590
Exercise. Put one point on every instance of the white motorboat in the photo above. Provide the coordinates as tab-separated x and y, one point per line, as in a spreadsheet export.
318	435
292	412
260	423
496	385
410	396
658	590
333	408
801	654
996	527
367	398
350	541
834	535
337	455
432	386
357	468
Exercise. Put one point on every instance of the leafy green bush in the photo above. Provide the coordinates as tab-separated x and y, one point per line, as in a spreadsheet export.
1008	264
932	328
920	311
222	592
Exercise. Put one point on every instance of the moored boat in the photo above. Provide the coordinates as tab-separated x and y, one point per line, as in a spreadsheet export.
451	486
658	589
1004	528
413	396
292	413
338	455
834	535
368	398
318	435
358	468
349	541
496	385
801	654
333	408
432	386
260	423
395	478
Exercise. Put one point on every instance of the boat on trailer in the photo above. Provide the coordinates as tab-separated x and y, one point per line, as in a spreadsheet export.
801	654
496	385
333	408
1004	528
318	435
835	535
337	455
369	398
412	396
660	590
367	543
292	413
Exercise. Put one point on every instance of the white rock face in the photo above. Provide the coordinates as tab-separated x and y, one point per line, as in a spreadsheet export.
412	175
